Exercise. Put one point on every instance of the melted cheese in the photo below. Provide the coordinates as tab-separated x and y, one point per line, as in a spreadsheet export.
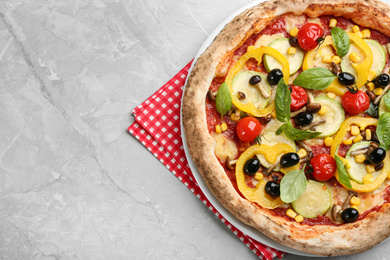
224	147
314	20
293	21
265	40
326	50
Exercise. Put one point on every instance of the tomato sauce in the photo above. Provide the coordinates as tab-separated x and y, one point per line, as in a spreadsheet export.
320	220
216	83
320	149
342	22
253	64
277	26
249	42
386	199
386	195
280	212
381	38
214	118
343	149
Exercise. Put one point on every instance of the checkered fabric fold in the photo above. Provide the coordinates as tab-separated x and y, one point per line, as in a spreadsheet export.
157	127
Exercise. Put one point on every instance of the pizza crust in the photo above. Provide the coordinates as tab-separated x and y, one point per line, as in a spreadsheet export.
320	239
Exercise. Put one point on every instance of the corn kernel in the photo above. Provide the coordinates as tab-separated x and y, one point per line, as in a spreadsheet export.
318	54
355	201
273	114
354	57
291	213
367	178
368	134
224	127
366	33
371	75
336	59
359	33
355	29
298	218
357	139
327	58
294	32
234	117
218	129
347	141
323	110
328	141
332	23
355	207
378	91
331	94
355	130
370	86
302	153
370	168
259	176
347	165
360	158
291	51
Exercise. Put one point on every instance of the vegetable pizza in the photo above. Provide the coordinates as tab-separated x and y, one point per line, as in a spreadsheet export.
287	118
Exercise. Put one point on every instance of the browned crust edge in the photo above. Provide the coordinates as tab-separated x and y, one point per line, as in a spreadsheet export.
321	240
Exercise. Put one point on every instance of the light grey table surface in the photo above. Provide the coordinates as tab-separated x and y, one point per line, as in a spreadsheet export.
73	183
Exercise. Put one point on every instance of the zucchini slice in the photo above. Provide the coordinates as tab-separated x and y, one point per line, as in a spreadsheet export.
382	106
252	93
334	116
378	63
270	138
282	45
358	170
315	201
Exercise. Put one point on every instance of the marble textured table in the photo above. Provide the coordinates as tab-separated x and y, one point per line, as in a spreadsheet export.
73	183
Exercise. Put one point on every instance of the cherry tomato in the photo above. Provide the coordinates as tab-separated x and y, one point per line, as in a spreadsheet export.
248	128
310	35
356	103
324	167
298	98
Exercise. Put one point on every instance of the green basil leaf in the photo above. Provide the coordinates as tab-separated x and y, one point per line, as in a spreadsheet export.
296	134
343	175
341	41
372	110
281	129
282	101
317	78
383	130
293	185
223	100
386	99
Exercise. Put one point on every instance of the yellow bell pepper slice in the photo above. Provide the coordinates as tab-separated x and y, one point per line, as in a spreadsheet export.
309	57
362	122
377	182
361	69
258	194
258	55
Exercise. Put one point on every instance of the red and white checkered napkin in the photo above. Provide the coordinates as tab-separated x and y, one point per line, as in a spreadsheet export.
157	127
